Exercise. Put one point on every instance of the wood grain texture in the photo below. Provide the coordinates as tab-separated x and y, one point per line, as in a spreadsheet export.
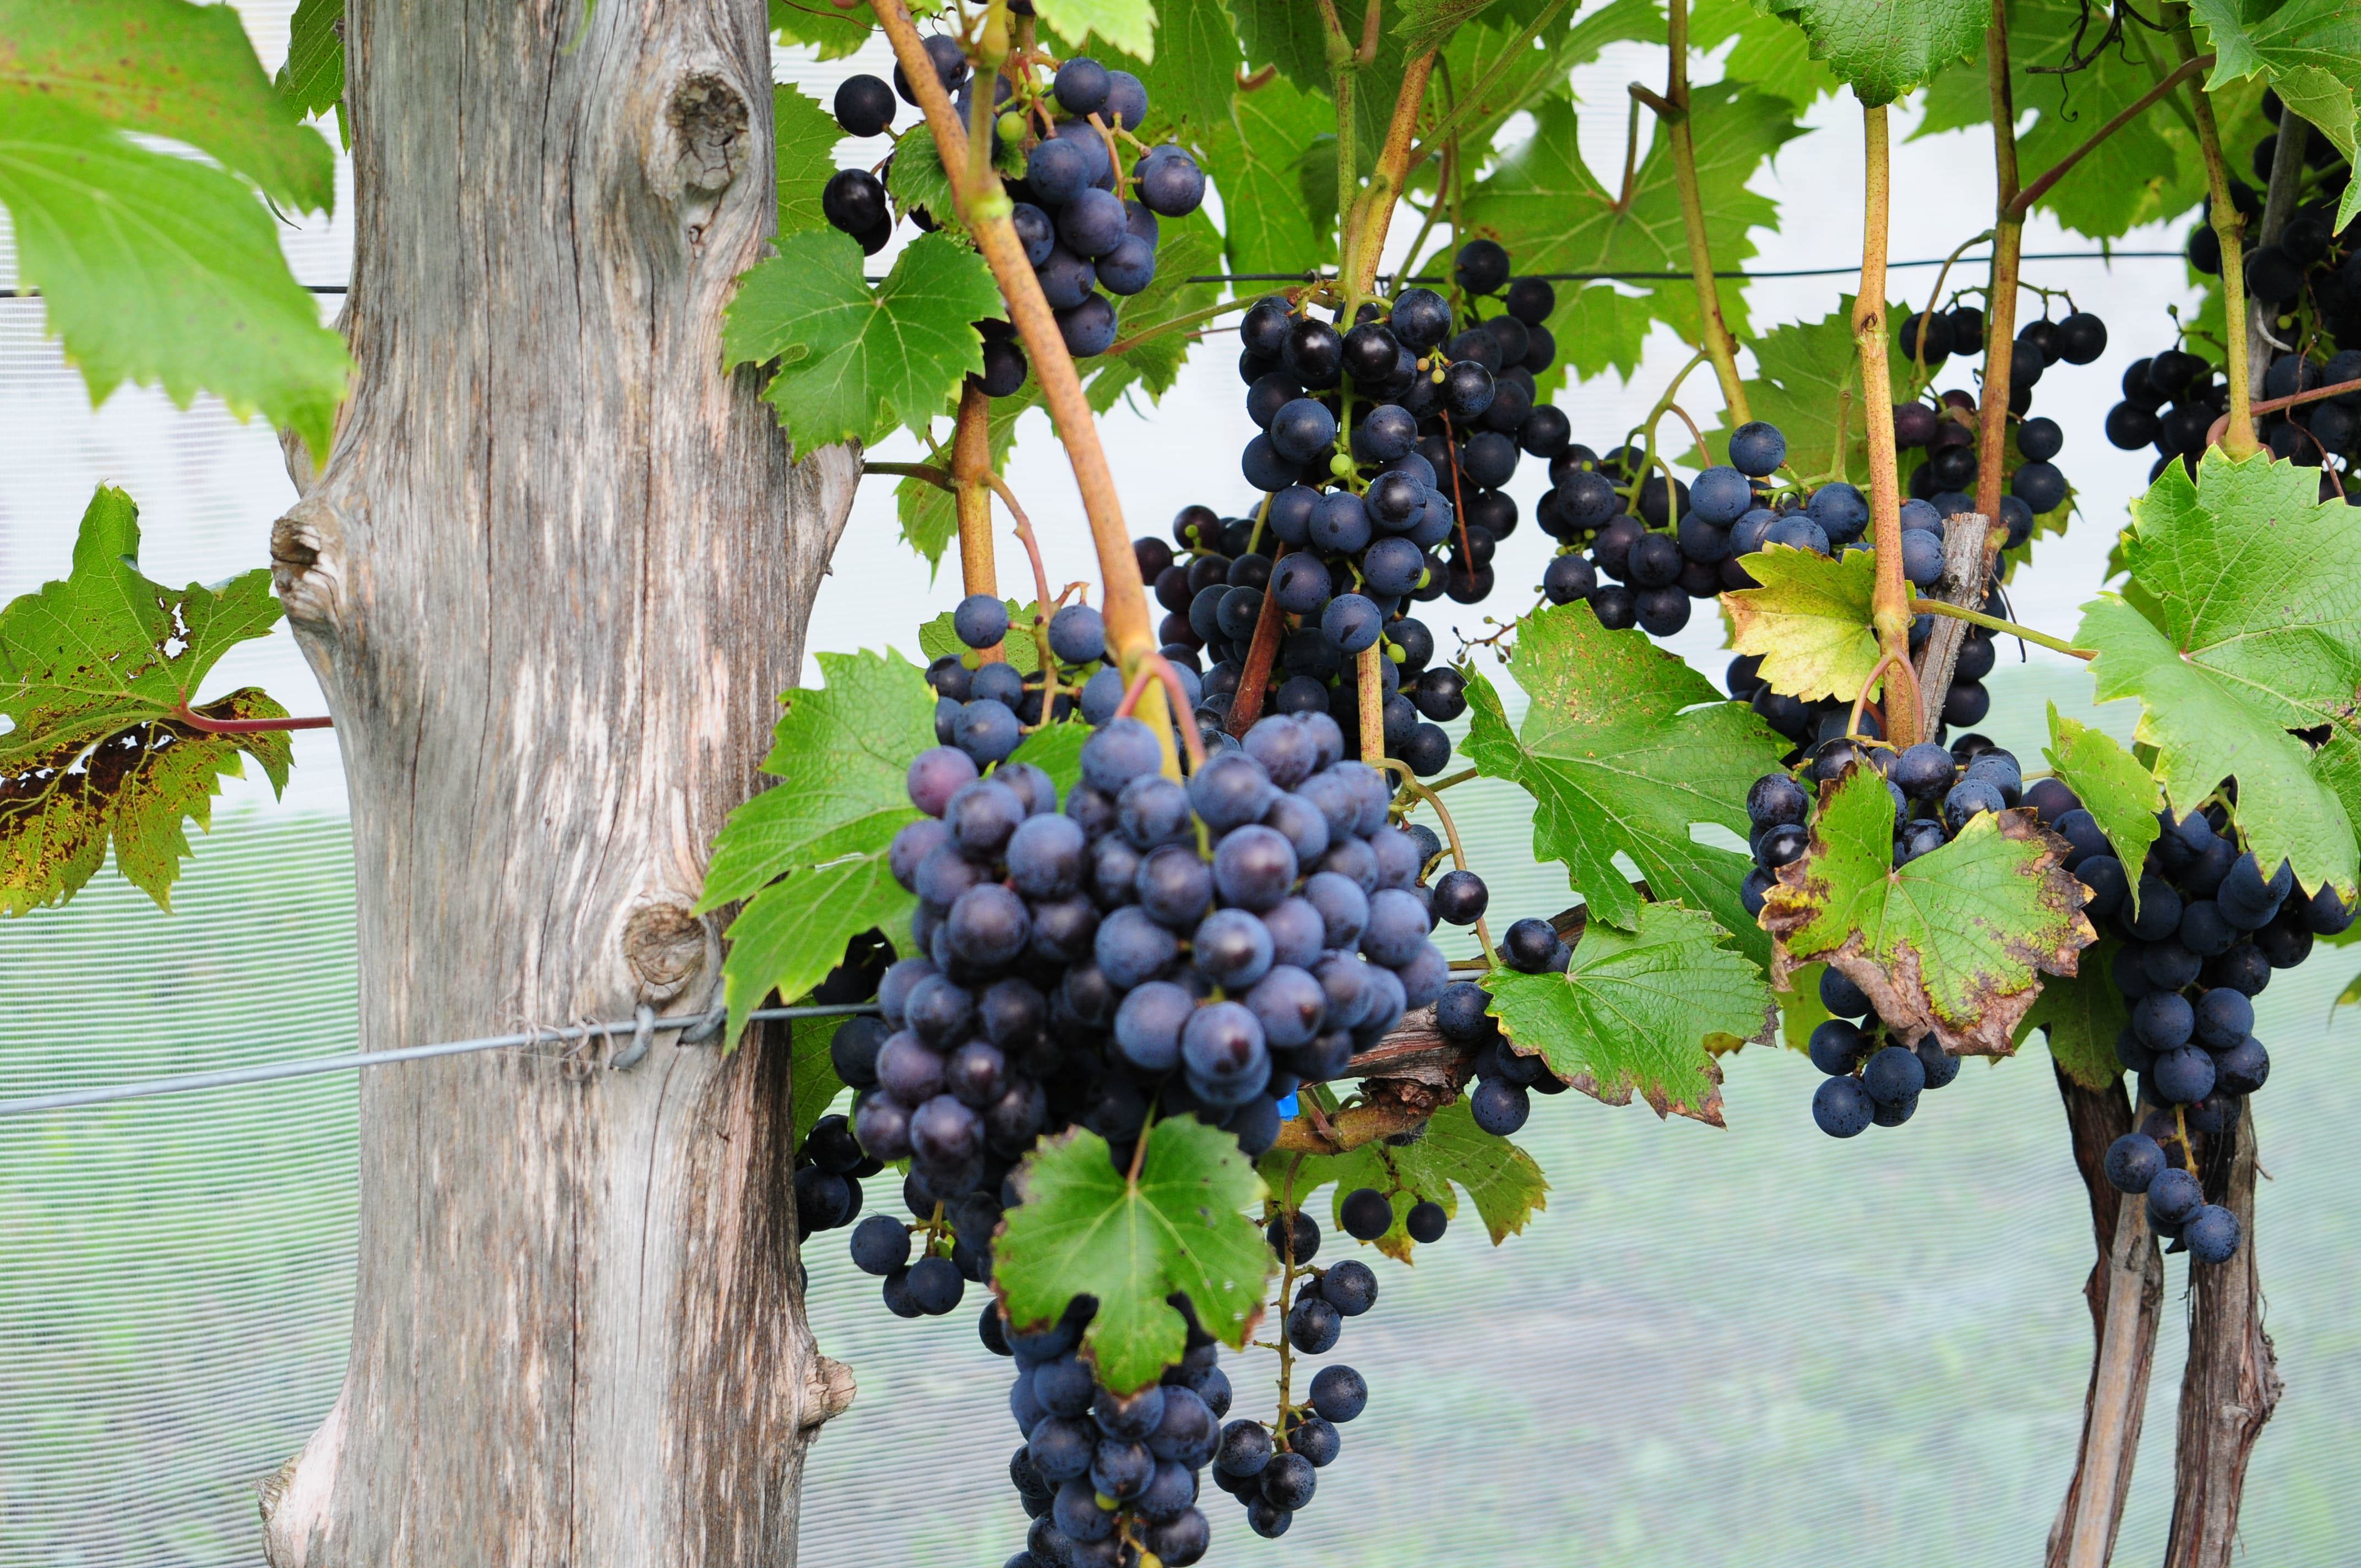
2126	1295
553	576
2231	1383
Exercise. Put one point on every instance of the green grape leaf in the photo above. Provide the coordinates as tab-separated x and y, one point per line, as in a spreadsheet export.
807	135
853	363
163	68
1127	25
2118	792
1084	1227
1637	1012
1289	35
1771	54
918	179
2309	52
1807	382
835	33
938	637
1544	204
808	854
1187	248
1421	25
1191	80
2079	1016
1882	49
1810	621
156	268
1624	749
1498	74
1955	942
1502	1180
1800	1008
96	669
312	79
2254	633
1253	157
813	1084
2151	168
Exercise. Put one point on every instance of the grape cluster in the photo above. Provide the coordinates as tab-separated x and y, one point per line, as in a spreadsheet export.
1107	1477
1384	444
1272	1470
2309	282
1505	1080
985	709
1085	208
1939	437
1641	544
2201	938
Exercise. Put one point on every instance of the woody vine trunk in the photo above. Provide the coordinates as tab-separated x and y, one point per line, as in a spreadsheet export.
553	574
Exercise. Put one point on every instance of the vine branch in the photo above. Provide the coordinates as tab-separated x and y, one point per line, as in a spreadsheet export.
1890	607
971	460
2000	296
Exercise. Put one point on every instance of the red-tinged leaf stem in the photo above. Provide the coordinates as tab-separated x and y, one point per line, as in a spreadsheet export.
190	716
1262	656
1153	669
2023	202
1889	605
1451	833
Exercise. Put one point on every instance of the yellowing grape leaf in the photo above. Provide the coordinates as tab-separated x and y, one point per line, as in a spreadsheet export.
2247	660
1085	1228
97	672
1810	621
1955	942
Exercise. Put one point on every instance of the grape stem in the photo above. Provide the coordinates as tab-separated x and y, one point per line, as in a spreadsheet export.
1349	1129
1024	536
1447	780
1192	318
2000	293
1889	605
2023	203
1884	660
1152	668
1918	353
2335	390
2229	227
1450	832
971	460
185	714
984	207
1994	623
1674	112
1455	120
1262	653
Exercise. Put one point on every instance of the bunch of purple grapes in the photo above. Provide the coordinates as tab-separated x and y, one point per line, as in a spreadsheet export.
1085	212
1383	449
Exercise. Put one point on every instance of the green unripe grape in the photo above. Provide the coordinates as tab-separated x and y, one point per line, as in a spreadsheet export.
1394	650
1341	465
1011	127
1426	577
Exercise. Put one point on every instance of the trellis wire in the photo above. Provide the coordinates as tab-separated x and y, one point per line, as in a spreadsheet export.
1545	277
699	1028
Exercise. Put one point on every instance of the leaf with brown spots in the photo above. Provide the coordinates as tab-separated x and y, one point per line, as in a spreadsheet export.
1954	942
94	669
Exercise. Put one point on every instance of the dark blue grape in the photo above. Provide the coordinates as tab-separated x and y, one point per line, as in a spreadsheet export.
1757	448
1082	86
1366	1214
2174	1197
1170	182
1232	949
1841	1107
1352	623
1313	1326
2133	1162
1339	523
1499	1108
1035	231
